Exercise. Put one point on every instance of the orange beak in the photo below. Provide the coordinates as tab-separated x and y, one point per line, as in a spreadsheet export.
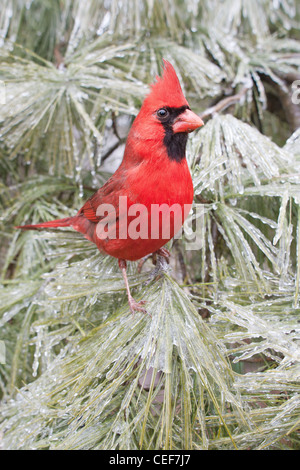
187	122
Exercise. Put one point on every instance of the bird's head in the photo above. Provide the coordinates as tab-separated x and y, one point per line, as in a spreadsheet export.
165	115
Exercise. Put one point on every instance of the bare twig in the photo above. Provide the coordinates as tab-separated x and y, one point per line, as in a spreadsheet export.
284	94
112	149
225	103
59	59
114	124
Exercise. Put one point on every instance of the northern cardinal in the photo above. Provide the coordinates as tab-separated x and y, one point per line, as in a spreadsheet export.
153	174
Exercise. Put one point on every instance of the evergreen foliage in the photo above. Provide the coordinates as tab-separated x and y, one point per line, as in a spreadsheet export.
217	364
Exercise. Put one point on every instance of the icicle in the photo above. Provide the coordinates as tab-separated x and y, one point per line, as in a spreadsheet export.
37	351
281	216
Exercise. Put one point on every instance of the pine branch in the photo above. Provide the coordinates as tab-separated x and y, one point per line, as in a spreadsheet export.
225	103
284	93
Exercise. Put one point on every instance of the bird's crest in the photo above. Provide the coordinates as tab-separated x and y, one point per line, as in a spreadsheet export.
166	91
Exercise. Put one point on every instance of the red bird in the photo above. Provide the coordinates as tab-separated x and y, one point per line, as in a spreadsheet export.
145	202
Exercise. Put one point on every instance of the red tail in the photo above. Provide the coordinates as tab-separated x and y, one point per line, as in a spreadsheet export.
52	223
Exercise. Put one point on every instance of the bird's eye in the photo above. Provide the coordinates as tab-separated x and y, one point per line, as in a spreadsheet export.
162	113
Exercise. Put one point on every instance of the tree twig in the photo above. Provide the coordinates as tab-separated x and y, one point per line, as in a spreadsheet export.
284	94
59	58
225	103
112	149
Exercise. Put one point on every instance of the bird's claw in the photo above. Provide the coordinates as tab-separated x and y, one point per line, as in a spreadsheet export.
160	268
162	252
142	262
137	306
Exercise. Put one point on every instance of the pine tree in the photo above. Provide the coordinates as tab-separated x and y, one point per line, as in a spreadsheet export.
217	364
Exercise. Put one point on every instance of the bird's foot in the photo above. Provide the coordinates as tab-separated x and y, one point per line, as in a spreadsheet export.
142	262
161	252
164	253
161	267
137	306
133	304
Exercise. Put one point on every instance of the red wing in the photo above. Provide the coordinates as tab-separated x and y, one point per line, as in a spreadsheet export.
89	212
107	195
